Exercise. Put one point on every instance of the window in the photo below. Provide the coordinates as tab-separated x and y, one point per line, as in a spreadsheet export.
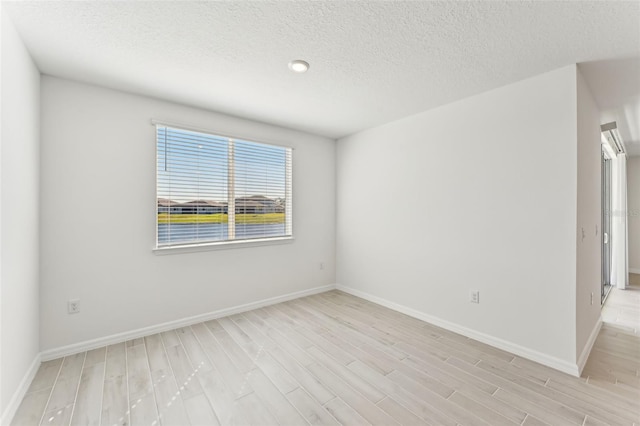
213	188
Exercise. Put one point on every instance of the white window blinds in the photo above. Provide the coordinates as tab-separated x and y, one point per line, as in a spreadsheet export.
214	188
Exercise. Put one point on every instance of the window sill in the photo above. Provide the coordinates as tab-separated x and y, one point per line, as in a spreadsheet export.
222	245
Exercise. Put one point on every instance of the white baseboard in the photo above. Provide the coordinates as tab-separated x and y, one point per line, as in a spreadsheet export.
18	395
582	360
146	331
533	355
634	270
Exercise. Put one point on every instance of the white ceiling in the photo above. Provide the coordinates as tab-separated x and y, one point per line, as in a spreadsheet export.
615	85
371	62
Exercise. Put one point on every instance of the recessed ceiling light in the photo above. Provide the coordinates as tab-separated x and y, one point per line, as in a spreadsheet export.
299	66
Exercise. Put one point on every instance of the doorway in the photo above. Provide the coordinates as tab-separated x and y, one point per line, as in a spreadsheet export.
606	225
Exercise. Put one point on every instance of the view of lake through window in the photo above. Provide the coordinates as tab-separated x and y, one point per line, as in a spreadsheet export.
212	188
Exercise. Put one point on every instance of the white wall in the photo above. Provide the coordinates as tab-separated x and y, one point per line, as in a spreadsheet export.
633	207
478	194
589	247
98	219
19	186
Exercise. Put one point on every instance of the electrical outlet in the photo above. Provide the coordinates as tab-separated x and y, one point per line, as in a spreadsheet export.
73	306
474	296
322	266
592	298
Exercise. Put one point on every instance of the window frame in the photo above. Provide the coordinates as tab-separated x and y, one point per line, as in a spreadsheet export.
196	246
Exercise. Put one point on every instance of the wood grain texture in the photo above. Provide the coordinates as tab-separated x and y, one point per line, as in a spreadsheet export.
330	359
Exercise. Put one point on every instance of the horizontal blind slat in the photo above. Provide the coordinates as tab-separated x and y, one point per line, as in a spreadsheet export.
194	194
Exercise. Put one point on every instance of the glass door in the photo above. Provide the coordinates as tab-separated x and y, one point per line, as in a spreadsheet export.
606	225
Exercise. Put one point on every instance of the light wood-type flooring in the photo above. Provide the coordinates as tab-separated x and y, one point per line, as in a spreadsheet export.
333	359
622	308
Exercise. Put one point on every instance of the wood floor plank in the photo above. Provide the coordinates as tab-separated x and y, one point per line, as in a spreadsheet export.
64	393
257	337
193	349
88	403
565	405
302	376
341	328
493	375
277	373
32	408
333	358
595	406
367	409
453	380
590	421
532	408
138	372
199	411
95	356
234	379
345	320
170	404
170	338
341	355
622	392
479	410
229	325
134	342
437	400
399	412
72	365
143	410
345	414
115	402
171	407
116	359
184	372
294	374
478	349
221	398
614	407
571	386
420	360
58	417
362	386
157	358
534	369
310	409
303	317
274	400
249	410
214	326
238	356
281	340
436	349
422	378
406	396
532	421
511	412
277	318
46	375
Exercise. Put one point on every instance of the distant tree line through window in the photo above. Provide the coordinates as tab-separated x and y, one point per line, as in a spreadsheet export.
213	188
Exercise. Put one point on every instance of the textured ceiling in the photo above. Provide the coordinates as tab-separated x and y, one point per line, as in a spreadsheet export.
371	62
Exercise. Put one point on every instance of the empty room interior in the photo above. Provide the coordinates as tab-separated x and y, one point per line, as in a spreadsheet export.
323	213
